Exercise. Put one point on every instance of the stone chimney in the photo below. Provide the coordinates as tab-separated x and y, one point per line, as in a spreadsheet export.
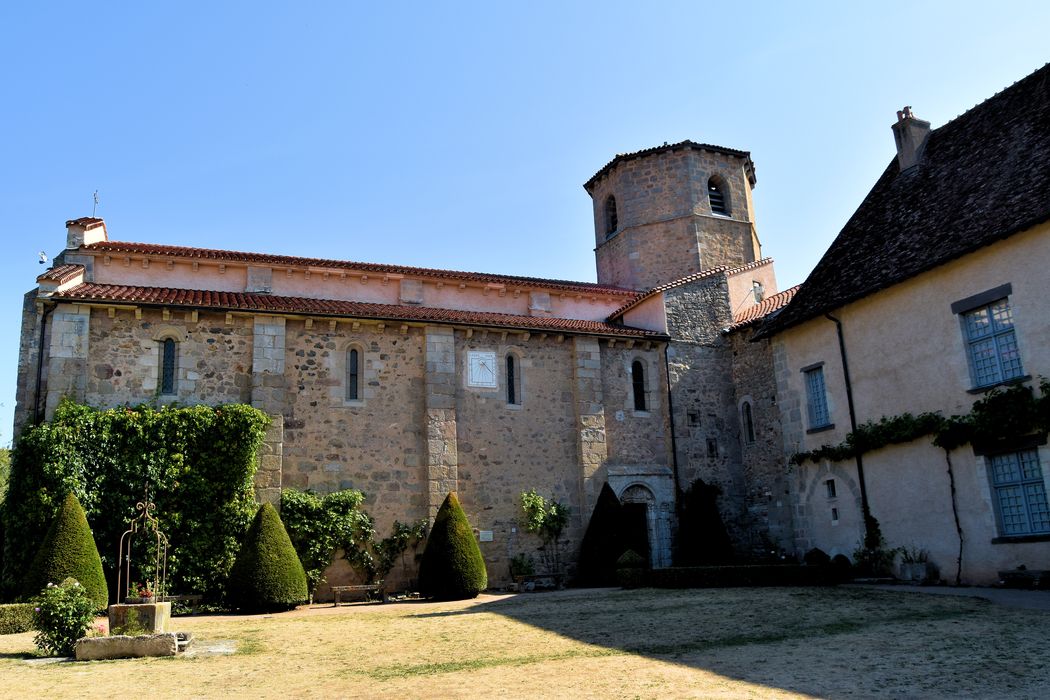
85	231
910	134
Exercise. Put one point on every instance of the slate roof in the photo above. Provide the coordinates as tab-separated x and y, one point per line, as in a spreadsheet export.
268	303
763	309
621	157
984	176
118	247
695	277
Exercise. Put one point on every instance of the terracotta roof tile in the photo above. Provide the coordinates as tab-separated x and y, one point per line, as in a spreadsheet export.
762	310
88	222
60	273
291	261
265	303
695	277
621	157
983	176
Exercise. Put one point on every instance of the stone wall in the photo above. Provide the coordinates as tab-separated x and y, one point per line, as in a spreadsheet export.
28	361
768	499
707	432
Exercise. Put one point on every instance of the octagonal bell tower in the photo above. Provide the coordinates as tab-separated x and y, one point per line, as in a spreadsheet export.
671	211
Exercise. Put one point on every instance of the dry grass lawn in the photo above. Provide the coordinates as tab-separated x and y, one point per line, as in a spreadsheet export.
601	643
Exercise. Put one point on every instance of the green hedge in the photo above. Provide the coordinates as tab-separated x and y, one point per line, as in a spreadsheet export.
267	575
68	551
199	463
742	576
16	618
452	567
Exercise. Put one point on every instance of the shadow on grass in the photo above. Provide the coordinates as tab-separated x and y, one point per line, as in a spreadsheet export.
806	640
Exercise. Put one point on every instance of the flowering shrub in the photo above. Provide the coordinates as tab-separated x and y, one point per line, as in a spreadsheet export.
62	614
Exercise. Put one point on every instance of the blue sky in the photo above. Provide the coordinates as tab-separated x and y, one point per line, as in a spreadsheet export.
457	135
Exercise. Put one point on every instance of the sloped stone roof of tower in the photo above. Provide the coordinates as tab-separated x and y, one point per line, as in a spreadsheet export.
267	303
667	148
695	277
984	176
292	261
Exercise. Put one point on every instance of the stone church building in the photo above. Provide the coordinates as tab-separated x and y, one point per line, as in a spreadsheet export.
408	383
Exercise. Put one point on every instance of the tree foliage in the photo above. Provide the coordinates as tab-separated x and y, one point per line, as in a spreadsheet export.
199	465
546	518
452	567
267	575
320	525
68	551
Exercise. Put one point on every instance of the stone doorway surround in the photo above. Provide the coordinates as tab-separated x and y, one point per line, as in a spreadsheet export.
652	485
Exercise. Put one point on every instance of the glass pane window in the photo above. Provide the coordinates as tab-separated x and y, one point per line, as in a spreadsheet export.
1020	493
817	398
638	385
167	367
353	375
994	356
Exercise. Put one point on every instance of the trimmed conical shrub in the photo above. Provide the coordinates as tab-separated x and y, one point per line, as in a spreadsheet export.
452	567
69	551
267	575
603	543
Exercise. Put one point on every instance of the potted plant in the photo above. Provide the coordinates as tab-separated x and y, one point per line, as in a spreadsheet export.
915	565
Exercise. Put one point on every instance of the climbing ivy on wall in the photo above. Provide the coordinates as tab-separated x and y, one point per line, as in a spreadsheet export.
1002	416
197	462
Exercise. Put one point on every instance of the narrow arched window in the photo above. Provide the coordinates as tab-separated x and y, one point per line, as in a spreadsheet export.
167	366
612	221
717	198
638	384
749	422
353	375
513	382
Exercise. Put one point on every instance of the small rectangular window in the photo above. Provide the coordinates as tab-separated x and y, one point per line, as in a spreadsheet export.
1020	493
712	447
992	344
834	515
816	398
830	486
167	367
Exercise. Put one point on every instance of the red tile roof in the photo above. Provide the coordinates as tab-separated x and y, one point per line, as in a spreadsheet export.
88	222
61	273
763	309
290	261
696	276
265	303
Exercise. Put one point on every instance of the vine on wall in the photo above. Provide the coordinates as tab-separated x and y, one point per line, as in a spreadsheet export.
198	463
1001	417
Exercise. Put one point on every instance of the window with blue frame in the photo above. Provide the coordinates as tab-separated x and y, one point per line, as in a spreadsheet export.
992	344
1020	493
816	398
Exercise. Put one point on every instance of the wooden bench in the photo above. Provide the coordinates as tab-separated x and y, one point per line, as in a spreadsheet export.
366	588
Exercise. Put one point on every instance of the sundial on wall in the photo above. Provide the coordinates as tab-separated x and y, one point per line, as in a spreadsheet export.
481	369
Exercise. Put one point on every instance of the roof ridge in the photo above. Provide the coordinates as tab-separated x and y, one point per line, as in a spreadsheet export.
246	256
170	296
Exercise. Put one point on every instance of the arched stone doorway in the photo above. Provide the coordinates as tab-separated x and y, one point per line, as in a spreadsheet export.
648	491
638	510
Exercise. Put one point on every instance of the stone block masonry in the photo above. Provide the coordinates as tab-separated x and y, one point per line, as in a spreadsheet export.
442	452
